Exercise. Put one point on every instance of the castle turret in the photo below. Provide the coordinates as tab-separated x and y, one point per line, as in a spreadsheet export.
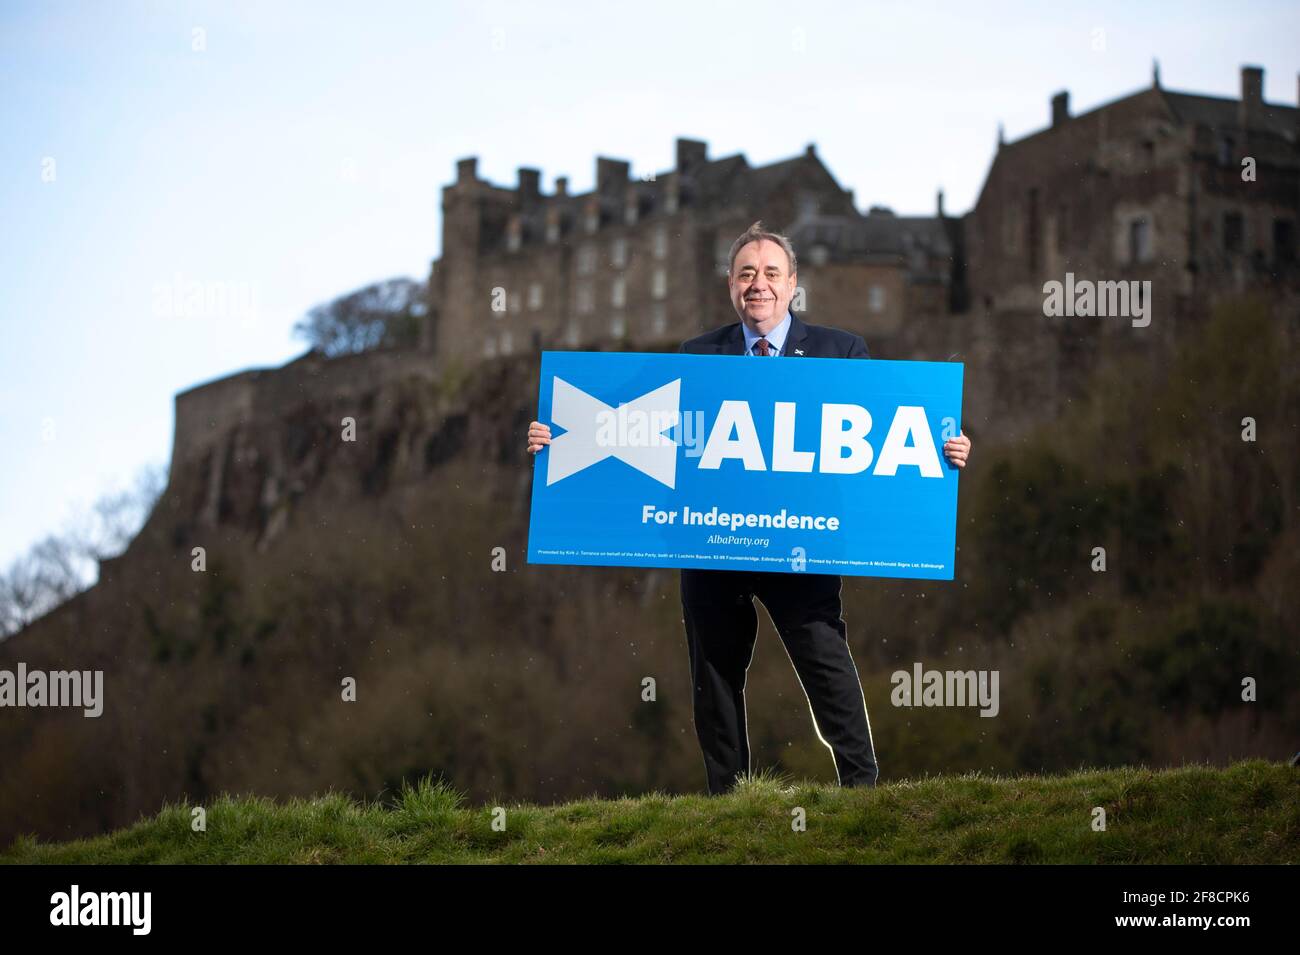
458	267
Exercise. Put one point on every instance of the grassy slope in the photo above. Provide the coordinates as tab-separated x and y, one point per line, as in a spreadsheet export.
1247	813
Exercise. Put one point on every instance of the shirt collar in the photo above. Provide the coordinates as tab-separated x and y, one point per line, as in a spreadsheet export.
775	338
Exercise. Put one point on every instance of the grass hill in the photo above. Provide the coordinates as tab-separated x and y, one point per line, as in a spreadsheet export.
1246	813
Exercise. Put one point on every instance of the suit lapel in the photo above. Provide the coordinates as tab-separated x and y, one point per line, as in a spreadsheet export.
735	344
794	337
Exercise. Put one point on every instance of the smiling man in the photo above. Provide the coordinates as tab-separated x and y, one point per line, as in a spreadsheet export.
718	605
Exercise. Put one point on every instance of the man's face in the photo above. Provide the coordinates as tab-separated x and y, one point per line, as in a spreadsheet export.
761	285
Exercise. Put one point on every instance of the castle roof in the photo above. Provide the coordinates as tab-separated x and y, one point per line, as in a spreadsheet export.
878	238
715	184
1219	112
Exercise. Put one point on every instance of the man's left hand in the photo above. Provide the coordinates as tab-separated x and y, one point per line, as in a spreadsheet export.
957	450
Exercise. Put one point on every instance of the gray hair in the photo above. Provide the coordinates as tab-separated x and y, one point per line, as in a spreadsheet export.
756	233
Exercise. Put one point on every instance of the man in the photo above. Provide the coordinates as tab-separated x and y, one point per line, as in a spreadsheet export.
718	605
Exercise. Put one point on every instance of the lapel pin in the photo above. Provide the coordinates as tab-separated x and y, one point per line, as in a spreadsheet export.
798	351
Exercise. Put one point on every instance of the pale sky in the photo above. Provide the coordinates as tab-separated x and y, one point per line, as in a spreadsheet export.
284	153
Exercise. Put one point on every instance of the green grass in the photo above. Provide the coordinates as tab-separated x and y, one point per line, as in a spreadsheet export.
1246	813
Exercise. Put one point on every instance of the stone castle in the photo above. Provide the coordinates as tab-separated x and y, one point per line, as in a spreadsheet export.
642	261
1148	186
1199	194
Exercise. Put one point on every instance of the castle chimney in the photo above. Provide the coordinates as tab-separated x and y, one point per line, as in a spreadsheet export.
939	202
611	176
1060	108
561	185
529	180
810	150
690	153
467	169
1252	96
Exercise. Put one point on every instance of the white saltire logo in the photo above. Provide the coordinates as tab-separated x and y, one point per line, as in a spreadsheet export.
633	433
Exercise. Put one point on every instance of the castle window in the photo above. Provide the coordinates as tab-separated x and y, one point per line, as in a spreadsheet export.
586	259
571	336
819	255
1283	241
1233	232
661	242
659	283
617	326
514	237
534	296
1226	149
618	293
515	304
592	220
553	229
618	253
507	343
1139	240
632	209
1031	229
876	299
658	318
489	348
721	246
585	303
1012	223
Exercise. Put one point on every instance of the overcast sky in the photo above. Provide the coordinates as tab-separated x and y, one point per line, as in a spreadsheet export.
283	153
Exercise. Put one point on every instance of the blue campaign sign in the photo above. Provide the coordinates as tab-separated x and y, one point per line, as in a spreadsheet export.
816	465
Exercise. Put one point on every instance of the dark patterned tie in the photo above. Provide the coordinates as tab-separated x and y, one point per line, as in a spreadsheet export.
761	347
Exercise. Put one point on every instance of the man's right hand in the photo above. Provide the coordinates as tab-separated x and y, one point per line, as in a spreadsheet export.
539	436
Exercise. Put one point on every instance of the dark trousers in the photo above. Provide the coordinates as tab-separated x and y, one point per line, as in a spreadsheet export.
721	628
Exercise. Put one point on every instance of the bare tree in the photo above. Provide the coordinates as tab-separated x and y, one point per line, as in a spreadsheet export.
59	566
19	595
57	574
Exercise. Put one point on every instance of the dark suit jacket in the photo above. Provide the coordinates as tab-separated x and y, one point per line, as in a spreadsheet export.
809	341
